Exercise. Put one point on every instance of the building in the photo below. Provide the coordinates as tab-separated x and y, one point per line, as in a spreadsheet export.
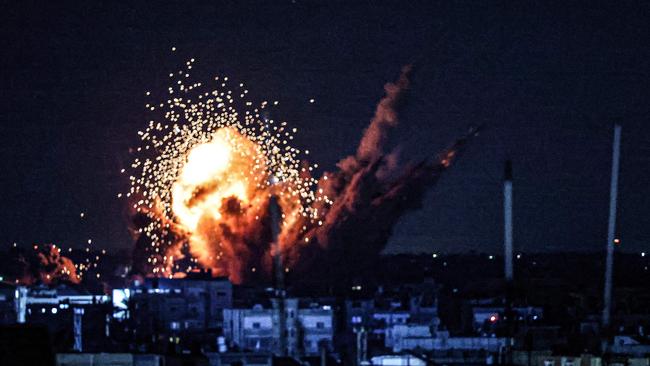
403	337
484	316
243	359
8	293
309	327
629	345
108	359
395	306
547	358
205	297
188	309
397	360
75	318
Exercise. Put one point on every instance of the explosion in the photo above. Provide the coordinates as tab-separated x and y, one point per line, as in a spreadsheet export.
203	184
211	162
42	263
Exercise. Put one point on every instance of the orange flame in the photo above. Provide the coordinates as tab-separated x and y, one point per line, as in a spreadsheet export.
220	195
215	169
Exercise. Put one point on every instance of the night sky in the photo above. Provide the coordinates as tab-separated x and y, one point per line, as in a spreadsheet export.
548	82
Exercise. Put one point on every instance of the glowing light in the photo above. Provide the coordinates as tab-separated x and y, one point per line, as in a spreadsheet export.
210	162
208	165
203	174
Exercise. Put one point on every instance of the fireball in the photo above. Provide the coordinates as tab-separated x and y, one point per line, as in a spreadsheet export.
210	162
208	165
214	170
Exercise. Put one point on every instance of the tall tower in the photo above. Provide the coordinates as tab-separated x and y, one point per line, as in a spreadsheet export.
275	212
507	212
611	227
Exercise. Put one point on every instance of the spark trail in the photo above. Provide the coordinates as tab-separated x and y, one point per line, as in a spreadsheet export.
209	162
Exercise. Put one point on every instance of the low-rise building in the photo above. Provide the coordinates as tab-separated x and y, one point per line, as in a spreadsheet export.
75	318
162	309
8	293
308	328
403	337
401	305
629	345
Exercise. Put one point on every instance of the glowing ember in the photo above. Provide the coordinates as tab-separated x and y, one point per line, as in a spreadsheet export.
213	172
211	160
205	172
42	264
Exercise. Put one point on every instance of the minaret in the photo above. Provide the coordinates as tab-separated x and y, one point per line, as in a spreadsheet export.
507	212
611	227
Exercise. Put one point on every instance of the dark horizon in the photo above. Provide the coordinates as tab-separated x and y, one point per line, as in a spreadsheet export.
547	82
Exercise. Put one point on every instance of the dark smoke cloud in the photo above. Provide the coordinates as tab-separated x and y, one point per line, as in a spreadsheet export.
374	137
368	194
41	264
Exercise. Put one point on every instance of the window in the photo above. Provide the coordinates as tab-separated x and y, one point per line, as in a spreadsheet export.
320	325
257	325
356	319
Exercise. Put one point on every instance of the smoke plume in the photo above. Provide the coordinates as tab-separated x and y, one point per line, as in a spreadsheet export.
220	199
43	264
